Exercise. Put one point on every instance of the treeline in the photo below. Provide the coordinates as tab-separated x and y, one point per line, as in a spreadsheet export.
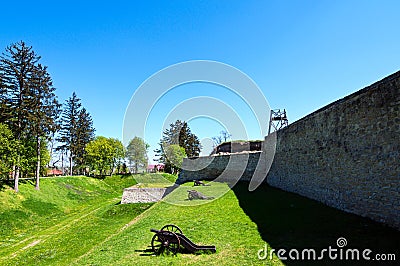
31	117
34	127
107	155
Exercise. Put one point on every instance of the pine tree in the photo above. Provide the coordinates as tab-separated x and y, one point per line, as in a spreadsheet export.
85	134
180	134
45	112
68	128
76	132
5	110
17	67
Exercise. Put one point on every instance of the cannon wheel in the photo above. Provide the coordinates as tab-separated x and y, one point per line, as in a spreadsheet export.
172	228
165	244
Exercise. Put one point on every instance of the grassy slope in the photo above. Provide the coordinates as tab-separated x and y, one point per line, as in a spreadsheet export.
220	222
75	221
65	219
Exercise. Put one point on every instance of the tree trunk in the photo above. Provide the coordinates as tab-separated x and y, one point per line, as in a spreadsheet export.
37	174
62	162
12	174
16	178
70	163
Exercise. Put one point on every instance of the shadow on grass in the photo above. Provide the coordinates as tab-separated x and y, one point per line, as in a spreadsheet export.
145	252
10	183
3	184
286	220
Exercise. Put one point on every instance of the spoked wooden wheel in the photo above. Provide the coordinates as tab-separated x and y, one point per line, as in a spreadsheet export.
165	242
172	228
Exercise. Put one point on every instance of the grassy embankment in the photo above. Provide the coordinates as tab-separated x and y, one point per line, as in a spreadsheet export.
85	227
67	217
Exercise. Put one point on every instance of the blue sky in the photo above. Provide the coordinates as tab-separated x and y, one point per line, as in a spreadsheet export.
302	54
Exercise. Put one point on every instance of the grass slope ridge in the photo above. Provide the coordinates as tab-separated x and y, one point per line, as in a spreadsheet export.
220	222
65	219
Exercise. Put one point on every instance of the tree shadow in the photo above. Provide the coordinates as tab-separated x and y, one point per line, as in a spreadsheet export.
288	221
146	252
3	184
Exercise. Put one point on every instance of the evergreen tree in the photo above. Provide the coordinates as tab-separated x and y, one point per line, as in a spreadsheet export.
5	110
85	134
76	132
17	68
180	134
68	129
44	114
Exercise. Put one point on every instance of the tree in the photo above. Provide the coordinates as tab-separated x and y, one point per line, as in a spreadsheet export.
5	106
68	128
76	132
45	112
17	70
8	151
119	153
180	134
28	158
102	153
137	153
175	154
223	137
85	134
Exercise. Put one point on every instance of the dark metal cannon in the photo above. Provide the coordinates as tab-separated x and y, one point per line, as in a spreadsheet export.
170	240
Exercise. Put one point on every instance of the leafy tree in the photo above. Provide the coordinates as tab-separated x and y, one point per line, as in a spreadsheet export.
102	153
137	153
119	153
8	151
29	160
18	66
174	154
180	134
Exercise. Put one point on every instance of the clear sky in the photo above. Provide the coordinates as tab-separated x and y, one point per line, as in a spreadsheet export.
302	54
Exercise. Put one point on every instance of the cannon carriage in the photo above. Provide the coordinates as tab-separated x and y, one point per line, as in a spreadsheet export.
171	240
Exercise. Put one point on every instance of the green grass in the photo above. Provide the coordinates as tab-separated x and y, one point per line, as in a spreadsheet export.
78	221
155	180
287	220
65	219
220	222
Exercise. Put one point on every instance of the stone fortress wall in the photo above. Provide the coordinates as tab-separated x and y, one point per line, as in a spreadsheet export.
346	154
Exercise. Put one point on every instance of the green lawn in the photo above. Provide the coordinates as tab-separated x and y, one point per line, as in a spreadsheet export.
79	221
220	222
155	180
62	221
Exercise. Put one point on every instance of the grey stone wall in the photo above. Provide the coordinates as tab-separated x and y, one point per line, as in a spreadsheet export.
142	195
242	164
346	154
